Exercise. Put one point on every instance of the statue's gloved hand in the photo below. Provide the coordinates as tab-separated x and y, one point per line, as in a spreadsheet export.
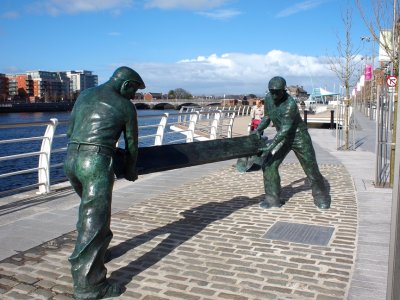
271	149
259	134
131	175
264	151
119	163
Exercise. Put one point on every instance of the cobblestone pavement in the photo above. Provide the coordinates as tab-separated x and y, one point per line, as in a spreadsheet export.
204	240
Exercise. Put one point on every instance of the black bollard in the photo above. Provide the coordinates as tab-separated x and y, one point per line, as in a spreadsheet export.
305	116
332	118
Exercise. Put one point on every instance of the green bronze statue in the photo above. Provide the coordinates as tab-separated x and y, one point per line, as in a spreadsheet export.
292	134
99	117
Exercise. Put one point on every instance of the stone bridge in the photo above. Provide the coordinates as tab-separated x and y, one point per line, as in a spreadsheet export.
176	103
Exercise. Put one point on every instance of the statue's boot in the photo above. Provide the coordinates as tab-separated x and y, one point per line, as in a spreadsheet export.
269	202
321	196
112	290
107	290
322	201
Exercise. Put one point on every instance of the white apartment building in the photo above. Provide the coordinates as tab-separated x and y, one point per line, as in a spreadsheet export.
81	80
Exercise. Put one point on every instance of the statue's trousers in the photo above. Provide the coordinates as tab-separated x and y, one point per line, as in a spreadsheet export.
91	175
302	146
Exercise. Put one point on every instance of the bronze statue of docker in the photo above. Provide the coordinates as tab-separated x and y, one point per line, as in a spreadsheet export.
99	117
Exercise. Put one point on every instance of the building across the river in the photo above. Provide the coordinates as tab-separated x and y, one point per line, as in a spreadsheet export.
45	86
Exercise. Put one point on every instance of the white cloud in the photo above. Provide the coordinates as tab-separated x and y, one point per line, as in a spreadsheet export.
222	14
57	7
185	4
237	73
299	7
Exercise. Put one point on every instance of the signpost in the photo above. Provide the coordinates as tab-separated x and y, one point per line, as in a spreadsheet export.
391	81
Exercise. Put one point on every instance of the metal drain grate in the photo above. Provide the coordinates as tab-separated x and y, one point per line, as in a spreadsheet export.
300	233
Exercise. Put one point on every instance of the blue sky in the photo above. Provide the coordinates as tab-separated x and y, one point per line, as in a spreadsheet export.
208	47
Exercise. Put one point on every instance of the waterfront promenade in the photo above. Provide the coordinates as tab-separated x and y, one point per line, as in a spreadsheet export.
198	233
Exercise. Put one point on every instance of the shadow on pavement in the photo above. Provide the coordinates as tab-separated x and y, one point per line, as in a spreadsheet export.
193	222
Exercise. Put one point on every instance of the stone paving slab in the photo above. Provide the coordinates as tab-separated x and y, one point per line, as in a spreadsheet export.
203	240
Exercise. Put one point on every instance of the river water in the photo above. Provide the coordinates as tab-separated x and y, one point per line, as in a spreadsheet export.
57	173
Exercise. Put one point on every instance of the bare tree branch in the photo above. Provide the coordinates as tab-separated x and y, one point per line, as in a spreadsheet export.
384	19
345	63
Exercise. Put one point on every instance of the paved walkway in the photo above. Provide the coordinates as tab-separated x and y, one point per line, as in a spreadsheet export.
198	233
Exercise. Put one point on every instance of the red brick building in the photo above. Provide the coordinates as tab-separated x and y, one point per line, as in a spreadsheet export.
20	88
3	88
45	86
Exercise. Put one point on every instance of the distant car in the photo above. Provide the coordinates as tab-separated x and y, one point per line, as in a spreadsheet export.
311	105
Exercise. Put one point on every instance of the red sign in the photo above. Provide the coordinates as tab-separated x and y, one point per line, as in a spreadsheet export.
368	72
391	81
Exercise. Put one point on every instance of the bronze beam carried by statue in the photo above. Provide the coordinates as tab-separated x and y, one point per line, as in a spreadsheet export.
175	156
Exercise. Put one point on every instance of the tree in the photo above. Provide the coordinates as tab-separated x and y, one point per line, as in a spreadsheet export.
171	94
345	65
381	23
182	94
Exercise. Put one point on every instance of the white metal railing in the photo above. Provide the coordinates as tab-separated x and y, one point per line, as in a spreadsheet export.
197	124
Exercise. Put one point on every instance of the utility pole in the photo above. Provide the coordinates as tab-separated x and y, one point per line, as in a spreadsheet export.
393	289
394	71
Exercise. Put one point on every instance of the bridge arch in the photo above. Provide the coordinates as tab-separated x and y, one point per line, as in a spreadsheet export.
165	105
214	104
142	106
188	104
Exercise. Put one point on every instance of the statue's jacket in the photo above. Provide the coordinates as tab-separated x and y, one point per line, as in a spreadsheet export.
286	118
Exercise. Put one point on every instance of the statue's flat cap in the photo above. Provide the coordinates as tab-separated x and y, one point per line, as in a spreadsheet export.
126	73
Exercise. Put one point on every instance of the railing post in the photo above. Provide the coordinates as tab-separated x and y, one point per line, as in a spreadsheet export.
44	158
214	125
230	125
201	110
180	117
209	109
158	141
192	125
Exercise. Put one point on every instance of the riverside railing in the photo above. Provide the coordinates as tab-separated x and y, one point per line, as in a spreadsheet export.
157	129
